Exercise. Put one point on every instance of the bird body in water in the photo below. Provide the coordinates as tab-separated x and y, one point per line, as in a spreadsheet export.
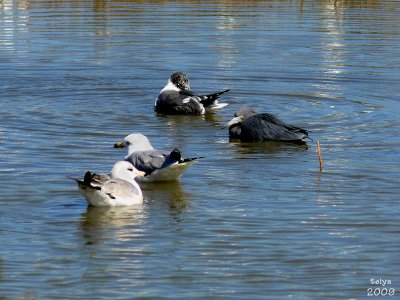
157	165
177	98
248	125
119	189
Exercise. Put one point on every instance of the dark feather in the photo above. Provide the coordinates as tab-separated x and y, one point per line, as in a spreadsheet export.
209	99
88	179
190	159
172	102
264	127
111	195
268	127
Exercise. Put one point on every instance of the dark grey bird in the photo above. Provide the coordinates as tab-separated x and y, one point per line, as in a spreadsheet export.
248	125
177	98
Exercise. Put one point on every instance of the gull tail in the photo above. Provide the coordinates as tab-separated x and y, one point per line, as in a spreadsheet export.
77	180
87	181
175	155
208	100
305	132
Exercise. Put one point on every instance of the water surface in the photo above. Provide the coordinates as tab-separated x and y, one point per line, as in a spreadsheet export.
249	220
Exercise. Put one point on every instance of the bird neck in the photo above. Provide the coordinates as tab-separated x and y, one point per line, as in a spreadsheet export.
170	87
139	147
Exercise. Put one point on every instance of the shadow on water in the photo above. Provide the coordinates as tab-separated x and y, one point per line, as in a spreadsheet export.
181	128
188	119
267	147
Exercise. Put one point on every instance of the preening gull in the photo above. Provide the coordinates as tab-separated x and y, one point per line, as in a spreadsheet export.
120	189
248	125
177	98
157	165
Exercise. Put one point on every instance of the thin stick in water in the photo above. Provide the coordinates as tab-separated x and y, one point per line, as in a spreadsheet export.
321	163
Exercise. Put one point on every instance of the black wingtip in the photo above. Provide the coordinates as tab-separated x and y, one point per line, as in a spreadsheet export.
220	93
190	159
87	178
176	154
74	179
209	99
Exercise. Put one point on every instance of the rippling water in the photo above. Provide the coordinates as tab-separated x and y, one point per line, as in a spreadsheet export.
248	221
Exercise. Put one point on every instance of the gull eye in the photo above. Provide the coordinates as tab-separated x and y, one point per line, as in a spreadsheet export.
130	169
127	143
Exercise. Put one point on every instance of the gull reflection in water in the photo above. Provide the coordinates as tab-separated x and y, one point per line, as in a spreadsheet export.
122	223
170	194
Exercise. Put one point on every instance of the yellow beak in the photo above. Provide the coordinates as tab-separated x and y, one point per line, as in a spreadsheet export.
119	145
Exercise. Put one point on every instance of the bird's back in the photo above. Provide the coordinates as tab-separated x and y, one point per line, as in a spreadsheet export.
147	161
178	102
268	127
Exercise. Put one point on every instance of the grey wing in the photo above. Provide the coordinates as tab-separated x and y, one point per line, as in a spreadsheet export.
92	182
118	188
100	177
97	180
147	161
268	127
182	102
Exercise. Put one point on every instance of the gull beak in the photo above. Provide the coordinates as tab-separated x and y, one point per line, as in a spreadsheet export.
140	173
234	121
137	172
119	145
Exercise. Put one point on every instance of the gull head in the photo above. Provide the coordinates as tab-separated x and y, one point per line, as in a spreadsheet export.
134	142
240	115
235	121
180	80
125	170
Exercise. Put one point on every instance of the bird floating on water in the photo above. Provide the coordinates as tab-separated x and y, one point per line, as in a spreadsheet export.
157	165
120	189
177	98
247	125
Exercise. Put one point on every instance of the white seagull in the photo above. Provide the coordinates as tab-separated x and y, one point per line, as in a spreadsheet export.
177	98
157	165
120	189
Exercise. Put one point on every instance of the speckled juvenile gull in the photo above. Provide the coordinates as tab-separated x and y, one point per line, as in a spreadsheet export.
157	165
248	125
120	189
177	98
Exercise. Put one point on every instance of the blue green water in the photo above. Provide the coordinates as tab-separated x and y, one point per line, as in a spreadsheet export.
249	220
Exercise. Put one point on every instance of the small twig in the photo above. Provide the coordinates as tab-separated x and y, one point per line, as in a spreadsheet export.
321	163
